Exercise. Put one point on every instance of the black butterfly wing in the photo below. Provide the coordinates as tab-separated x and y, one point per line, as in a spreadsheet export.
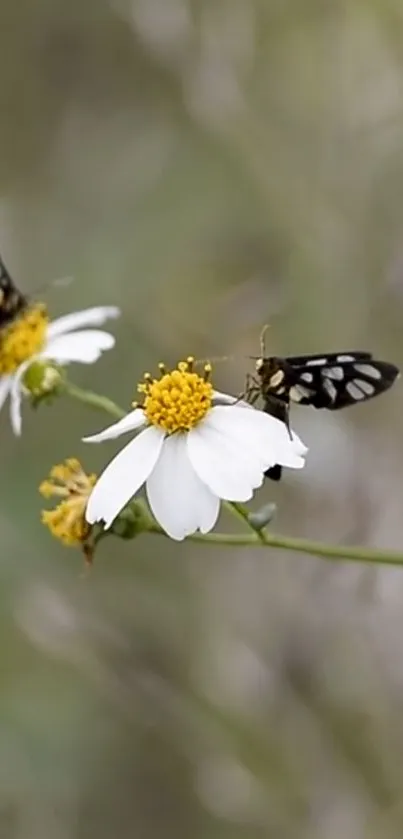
274	473
12	302
339	380
327	358
332	381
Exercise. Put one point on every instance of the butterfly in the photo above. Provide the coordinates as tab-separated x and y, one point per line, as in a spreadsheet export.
12	302
332	381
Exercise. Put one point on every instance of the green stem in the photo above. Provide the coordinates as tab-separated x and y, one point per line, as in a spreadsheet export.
290	543
94	400
241	512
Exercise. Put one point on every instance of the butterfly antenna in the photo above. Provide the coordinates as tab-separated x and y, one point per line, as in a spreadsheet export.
61	282
214	359
262	340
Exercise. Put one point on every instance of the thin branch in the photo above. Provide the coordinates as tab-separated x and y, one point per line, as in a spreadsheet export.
94	400
290	543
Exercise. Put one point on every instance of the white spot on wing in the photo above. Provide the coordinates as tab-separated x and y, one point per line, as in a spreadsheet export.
316	362
330	389
307	377
355	391
345	358
334	373
368	389
298	392
276	378
368	370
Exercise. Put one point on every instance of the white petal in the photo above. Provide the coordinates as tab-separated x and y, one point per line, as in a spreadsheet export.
220	398
124	475
87	317
85	346
267	437
179	500
299	446
16	395
232	448
15	409
132	421
15	404
5	386
230	471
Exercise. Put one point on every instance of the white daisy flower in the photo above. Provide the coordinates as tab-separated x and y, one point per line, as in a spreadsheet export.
30	338
195	447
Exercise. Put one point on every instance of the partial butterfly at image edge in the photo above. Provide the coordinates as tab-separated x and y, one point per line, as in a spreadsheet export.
12	301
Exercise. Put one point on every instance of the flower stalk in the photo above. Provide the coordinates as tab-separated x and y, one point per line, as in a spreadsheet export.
93	400
323	550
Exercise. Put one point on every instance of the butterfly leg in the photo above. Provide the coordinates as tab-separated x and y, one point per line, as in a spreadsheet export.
262	340
252	389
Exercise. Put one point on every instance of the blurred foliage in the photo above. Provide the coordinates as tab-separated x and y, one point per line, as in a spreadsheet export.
209	165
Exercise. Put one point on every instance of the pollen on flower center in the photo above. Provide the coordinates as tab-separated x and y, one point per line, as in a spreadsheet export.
178	400
23	338
69	482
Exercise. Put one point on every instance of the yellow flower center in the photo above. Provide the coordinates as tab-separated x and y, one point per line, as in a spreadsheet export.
23	338
69	482
177	401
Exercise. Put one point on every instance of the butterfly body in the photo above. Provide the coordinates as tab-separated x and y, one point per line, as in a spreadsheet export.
332	381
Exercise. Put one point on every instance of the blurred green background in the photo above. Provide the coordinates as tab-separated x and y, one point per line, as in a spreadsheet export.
210	166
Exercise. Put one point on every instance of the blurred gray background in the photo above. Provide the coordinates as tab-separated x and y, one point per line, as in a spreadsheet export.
210	166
